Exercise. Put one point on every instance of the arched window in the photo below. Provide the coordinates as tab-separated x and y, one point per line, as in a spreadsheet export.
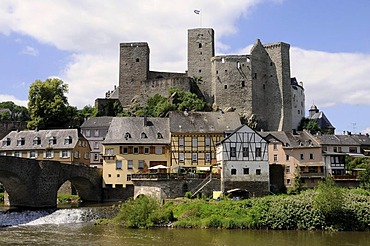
159	135
36	141
68	140
52	140
143	135
127	135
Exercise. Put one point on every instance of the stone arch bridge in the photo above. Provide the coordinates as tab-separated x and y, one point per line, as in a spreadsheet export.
34	184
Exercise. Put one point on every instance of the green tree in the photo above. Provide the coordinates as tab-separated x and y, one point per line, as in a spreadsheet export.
364	177
17	113
310	125
48	105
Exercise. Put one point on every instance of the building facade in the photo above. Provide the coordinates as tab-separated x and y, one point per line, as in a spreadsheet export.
64	145
134	145
243	159
95	129
194	136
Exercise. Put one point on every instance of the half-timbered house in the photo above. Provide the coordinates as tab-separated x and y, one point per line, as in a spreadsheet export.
243	159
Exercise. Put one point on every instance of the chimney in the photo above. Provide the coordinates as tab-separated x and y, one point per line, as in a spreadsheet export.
145	121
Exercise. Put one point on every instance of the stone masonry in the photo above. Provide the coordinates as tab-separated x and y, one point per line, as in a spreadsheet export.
257	84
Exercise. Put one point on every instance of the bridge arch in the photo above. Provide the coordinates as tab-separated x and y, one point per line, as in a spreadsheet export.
86	189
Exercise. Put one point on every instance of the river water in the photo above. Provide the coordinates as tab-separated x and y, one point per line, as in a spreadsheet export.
76	227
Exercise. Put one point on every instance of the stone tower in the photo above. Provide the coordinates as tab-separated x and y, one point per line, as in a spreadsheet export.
201	49
134	69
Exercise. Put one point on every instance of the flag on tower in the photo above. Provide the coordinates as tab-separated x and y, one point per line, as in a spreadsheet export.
196	11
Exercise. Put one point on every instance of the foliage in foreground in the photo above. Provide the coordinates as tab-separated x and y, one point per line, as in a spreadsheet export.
317	209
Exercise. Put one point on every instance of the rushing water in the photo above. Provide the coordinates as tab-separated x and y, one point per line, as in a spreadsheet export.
76	227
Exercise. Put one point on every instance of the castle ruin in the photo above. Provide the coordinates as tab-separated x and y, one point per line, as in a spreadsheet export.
258	84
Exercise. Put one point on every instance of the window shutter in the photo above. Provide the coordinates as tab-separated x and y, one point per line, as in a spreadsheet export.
61	154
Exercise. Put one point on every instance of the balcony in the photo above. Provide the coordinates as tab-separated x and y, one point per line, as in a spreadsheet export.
312	175
345	177
169	176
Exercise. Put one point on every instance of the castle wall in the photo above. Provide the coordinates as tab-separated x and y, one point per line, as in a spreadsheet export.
298	103
165	75
161	86
200	51
231	82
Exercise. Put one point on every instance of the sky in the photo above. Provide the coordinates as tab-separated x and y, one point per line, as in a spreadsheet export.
78	42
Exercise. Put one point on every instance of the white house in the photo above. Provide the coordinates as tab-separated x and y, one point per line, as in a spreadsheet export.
243	159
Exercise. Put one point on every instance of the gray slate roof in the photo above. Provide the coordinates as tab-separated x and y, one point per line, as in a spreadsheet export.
135	126
97	122
337	140
44	136
299	139
199	122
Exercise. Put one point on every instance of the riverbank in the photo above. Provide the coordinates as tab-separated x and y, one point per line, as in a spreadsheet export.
326	208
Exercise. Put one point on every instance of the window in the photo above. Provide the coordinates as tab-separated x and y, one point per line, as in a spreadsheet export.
128	177
52	140
335	149
64	154
275	157
324	149
194	157
233	171
68	140
86	155
194	142
159	135
181	157
141	164
200	45
136	150
208	141
275	146
77	154
118	175
130	164
118	164
288	181
225	87
80	143
238	65
246	171
243	83
143	135
287	169
352	150
109	151
6	142
20	142
87	133
158	150
109	175
96	145
33	154
127	135
258	171
258	152
36	141
146	150
2	153
313	169
208	157
245	152
311	156
48	154
301	156
96	133
96	157
17	154
232	151
287	157
181	141
124	150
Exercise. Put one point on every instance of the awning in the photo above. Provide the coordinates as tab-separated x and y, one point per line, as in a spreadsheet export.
355	154
158	167
203	168
311	164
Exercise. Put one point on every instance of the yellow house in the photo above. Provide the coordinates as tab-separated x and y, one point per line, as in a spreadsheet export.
64	145
194	136
135	145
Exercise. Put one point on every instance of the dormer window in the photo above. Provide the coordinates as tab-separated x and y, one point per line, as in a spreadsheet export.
52	141
36	141
127	135
159	135
68	140
20	142
6	142
143	135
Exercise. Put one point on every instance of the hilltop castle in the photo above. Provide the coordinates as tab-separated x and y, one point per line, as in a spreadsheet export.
257	85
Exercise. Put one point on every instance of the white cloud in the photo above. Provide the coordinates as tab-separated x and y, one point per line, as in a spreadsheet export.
28	50
6	98
332	78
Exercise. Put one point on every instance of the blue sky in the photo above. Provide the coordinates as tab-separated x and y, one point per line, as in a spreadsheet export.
78	41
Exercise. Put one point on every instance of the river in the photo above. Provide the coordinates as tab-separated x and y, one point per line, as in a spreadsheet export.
76	227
